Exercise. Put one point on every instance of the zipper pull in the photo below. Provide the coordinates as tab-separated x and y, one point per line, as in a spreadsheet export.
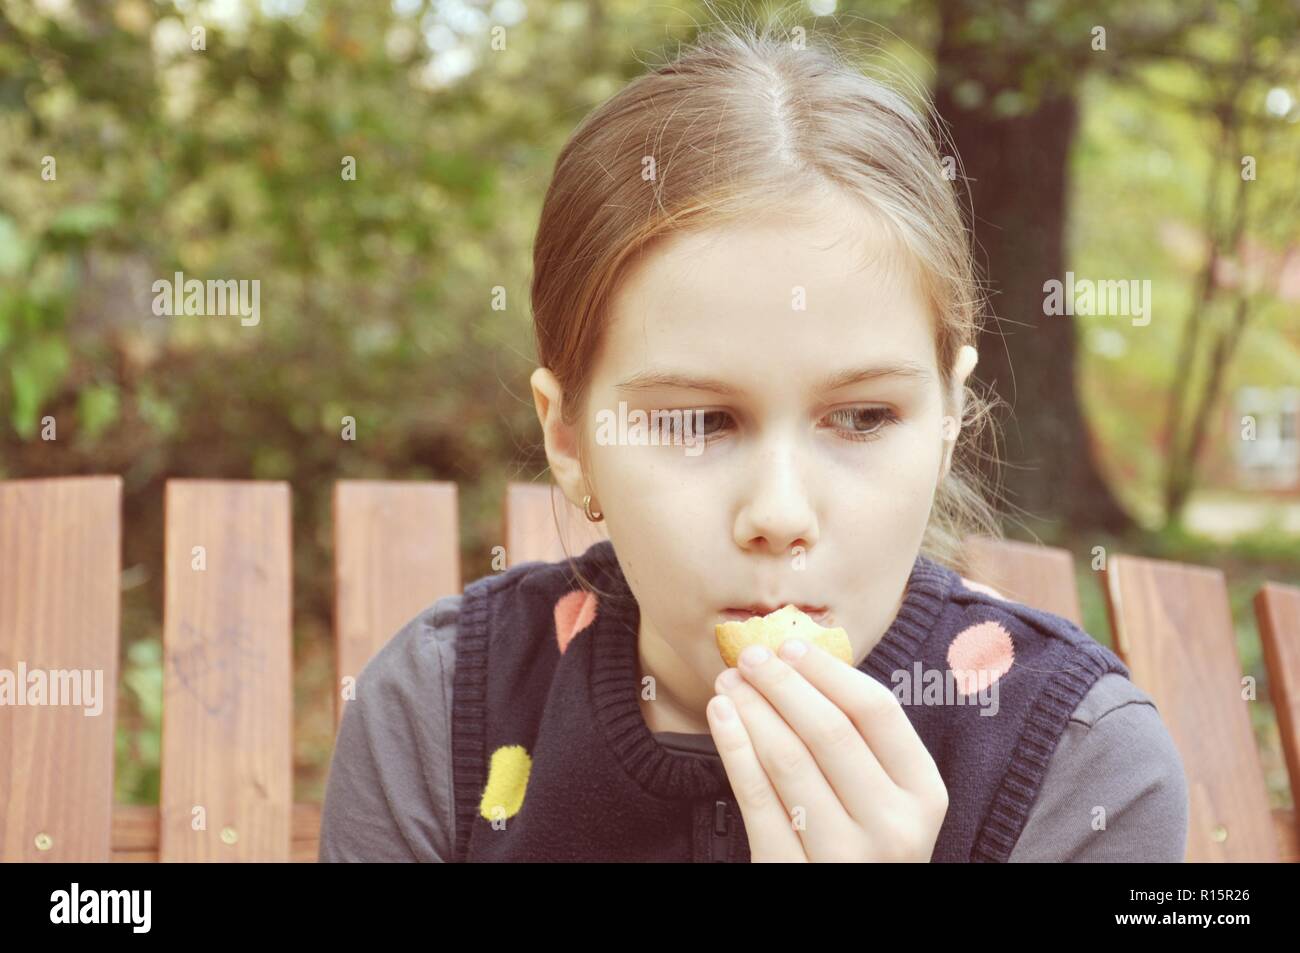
720	845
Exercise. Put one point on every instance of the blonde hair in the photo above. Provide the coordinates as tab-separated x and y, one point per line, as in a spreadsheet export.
744	122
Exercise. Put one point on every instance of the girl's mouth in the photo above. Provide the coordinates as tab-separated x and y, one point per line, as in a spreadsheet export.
819	614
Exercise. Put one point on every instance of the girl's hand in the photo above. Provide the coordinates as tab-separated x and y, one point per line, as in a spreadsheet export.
824	764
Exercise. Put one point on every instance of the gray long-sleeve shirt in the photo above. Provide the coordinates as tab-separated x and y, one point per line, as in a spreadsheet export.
389	792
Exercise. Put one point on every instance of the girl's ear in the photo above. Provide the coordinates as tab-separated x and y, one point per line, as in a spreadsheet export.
561	439
967	358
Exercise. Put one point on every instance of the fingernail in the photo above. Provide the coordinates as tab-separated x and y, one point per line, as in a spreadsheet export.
723	708
754	655
793	649
728	680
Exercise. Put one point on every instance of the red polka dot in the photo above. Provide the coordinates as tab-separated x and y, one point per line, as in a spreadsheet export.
574	612
980	655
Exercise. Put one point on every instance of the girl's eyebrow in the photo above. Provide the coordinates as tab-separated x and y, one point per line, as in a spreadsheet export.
653	378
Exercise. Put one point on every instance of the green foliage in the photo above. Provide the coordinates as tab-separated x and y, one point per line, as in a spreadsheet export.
139	730
97	409
36	367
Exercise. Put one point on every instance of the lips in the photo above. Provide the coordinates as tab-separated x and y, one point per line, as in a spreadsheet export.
819	614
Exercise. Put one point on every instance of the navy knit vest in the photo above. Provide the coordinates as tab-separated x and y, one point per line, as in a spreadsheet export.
553	759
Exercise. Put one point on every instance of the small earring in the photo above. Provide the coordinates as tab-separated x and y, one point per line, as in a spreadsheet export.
586	508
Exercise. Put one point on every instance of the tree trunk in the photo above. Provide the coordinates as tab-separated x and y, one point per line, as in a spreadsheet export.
1017	171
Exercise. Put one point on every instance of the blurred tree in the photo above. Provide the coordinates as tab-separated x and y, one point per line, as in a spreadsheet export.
1243	98
1007	85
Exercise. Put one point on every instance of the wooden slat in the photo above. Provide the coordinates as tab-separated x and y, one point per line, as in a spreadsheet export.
396	550
60	584
135	833
1038	576
135	829
1277	611
1288	837
540	523
227	701
1173	628
306	832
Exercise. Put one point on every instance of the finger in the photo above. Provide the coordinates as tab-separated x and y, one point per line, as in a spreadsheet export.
843	755
767	825
811	805
878	715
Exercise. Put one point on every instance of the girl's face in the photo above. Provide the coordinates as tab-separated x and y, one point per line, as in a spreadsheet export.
823	432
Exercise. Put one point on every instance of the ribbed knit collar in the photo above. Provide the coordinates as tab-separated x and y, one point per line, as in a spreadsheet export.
615	685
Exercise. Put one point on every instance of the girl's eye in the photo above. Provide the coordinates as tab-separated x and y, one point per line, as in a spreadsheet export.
700	423
875	418
706	430
863	423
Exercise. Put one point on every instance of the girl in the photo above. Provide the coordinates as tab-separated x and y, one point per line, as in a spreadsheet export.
760	246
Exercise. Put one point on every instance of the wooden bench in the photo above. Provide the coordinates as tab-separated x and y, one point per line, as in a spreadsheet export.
227	779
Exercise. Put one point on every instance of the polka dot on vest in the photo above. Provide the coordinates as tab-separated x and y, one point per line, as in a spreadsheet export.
980	655
574	612
508	771
980	587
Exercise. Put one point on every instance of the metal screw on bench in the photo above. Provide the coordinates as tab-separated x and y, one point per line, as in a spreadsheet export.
44	841
229	835
1219	833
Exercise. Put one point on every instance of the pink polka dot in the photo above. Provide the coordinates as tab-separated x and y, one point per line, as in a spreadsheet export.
980	587
979	656
574	612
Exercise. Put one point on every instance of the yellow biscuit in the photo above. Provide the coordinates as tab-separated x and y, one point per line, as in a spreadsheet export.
774	628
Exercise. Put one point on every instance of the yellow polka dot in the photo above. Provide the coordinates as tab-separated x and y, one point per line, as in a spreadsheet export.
507	778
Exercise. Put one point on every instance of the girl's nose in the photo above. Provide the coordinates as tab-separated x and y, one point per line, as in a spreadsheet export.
778	512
